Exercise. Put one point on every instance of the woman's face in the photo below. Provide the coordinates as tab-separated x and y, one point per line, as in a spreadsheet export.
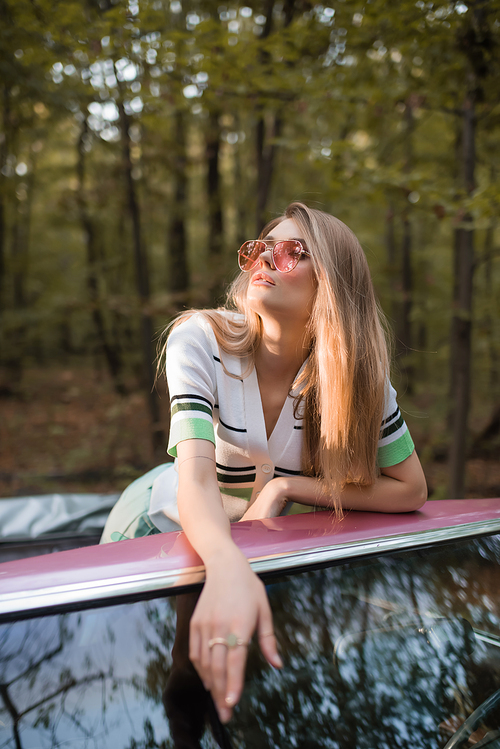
288	296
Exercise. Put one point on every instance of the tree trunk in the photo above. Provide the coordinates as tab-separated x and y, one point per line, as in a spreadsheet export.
213	134
112	356
5	386
462	308
268	133
266	154
405	338
178	273
3	163
405	333
390	240
142	286
392	274
19	270
21	241
490	318
19	260
240	190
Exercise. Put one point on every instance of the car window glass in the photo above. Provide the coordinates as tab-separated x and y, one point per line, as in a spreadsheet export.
393	651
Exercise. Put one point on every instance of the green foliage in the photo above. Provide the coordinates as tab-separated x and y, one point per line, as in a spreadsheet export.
368	96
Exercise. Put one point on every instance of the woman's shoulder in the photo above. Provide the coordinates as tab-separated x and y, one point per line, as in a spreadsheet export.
190	327
203	325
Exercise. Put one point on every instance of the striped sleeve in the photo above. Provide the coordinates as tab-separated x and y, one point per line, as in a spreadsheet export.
395	443
191	383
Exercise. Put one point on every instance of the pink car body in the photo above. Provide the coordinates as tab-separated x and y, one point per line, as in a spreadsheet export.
166	561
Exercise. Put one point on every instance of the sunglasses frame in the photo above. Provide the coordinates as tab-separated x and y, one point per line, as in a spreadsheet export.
274	243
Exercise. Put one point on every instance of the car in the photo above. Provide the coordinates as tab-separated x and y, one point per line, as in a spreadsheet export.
388	626
42	524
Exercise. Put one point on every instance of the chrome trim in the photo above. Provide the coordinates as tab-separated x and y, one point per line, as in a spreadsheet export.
76	593
382	544
25	602
487	638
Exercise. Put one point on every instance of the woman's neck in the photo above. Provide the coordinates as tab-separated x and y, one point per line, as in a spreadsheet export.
281	352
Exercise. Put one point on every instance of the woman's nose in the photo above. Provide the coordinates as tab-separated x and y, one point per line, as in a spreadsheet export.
267	257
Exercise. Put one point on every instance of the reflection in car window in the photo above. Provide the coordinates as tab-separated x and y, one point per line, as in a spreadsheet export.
395	651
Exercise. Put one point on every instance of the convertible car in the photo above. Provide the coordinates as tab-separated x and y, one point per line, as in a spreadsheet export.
388	626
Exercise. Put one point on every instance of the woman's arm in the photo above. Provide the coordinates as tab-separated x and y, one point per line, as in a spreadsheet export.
399	488
233	599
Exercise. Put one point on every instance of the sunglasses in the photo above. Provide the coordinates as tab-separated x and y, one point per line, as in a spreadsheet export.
286	253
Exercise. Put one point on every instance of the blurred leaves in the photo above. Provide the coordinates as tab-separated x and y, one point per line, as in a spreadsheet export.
341	79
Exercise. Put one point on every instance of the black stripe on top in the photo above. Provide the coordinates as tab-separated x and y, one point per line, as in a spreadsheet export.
391	417
247	478
190	396
393	427
296	427
216	358
231	429
288	472
230	468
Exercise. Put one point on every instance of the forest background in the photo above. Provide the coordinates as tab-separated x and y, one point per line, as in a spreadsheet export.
142	141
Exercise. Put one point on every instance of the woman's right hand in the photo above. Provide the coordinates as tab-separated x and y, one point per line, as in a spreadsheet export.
233	601
270	502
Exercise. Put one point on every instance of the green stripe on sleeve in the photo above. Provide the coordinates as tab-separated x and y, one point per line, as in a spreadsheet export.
190	429
190	407
396	452
239	493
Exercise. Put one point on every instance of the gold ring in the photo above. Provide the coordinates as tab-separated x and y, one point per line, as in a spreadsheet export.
231	641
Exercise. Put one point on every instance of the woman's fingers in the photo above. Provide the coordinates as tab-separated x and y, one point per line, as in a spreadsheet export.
221	667
236	660
221	627
267	639
194	645
220	662
199	653
269	649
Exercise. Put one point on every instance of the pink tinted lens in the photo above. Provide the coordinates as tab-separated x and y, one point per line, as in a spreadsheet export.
249	253
286	255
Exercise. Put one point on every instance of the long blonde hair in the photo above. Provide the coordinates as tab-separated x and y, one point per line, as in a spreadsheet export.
344	379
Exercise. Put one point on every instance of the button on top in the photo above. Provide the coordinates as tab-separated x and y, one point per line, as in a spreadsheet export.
266	468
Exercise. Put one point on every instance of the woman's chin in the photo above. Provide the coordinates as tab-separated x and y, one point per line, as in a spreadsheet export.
265	303
261	302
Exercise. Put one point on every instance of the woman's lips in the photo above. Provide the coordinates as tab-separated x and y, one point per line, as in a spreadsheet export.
263	278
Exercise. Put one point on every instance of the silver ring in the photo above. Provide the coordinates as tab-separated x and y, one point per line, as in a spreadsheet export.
231	641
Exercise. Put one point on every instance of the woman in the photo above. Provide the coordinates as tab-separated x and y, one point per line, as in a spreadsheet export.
286	399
